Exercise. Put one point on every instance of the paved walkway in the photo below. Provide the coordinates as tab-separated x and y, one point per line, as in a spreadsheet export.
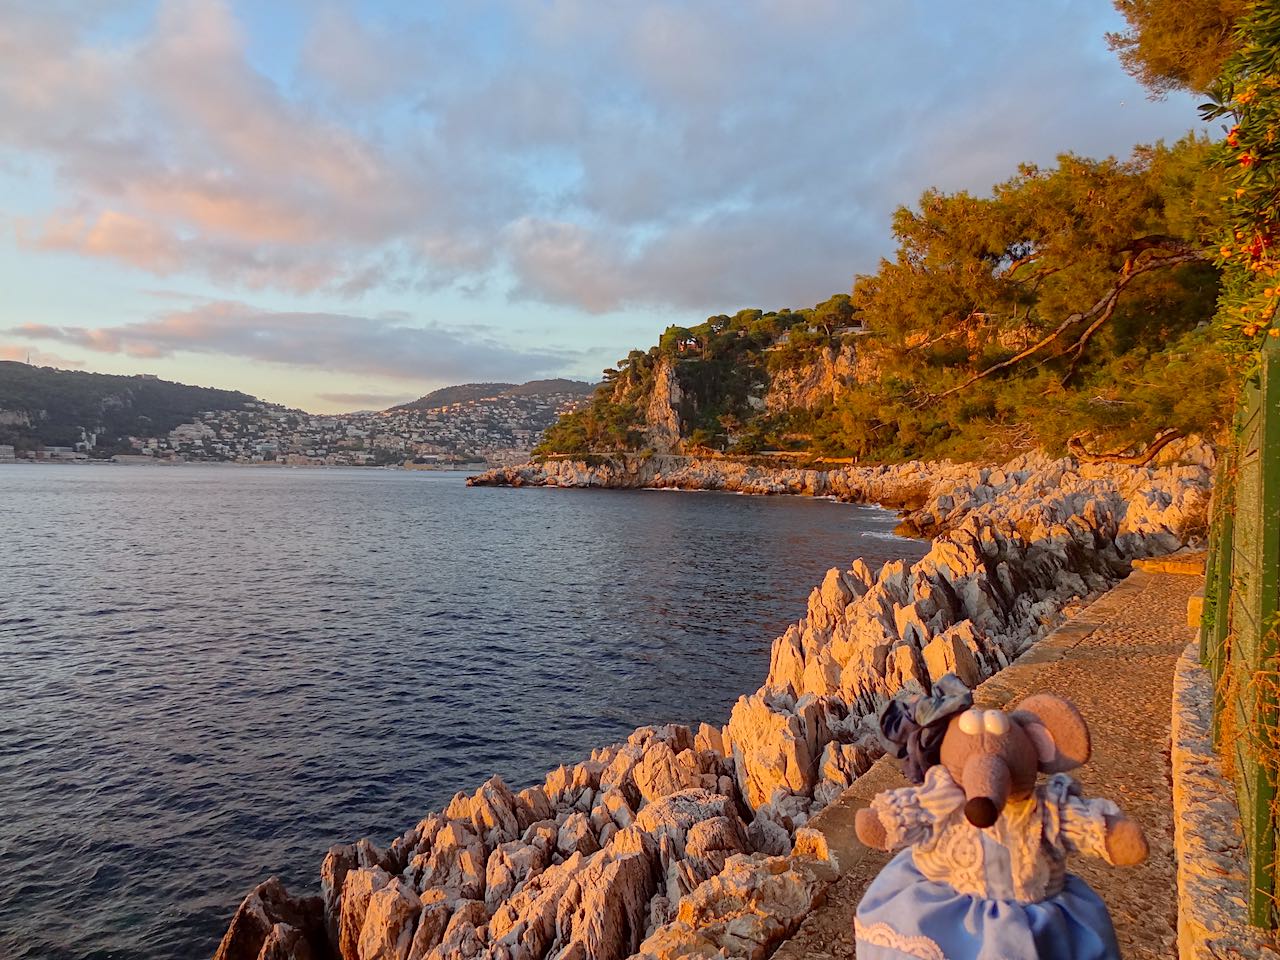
1115	661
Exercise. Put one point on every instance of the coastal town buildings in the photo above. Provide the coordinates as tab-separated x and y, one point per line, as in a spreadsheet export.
492	430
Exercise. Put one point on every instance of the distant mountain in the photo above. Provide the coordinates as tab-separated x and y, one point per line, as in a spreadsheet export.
43	406
465	392
458	394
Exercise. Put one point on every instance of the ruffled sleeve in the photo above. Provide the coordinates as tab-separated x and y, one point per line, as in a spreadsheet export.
910	815
1074	824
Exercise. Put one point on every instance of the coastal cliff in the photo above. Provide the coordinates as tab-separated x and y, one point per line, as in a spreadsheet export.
831	371
894	485
683	842
932	495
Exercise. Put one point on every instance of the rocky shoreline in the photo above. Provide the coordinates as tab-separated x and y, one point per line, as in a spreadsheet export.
895	485
683	842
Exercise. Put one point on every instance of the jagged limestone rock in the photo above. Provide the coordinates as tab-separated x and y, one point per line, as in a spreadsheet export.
389	923
1013	546
432	923
357	890
456	863
269	921
745	911
660	773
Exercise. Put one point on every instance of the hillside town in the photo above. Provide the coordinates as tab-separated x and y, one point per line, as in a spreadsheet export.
489	430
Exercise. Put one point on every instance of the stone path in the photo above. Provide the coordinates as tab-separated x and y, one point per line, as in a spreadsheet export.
1116	662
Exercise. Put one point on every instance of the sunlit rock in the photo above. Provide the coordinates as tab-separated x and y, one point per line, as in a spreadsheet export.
270	920
390	920
745	911
357	890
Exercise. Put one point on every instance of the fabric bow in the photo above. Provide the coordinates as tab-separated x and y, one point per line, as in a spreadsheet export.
912	727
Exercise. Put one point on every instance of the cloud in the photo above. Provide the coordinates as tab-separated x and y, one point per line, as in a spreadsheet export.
354	62
721	262
38	358
176	155
372	346
672	155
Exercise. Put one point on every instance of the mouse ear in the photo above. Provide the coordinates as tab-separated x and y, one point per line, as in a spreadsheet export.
1056	729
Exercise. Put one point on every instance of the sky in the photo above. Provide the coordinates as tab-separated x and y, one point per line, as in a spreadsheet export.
343	205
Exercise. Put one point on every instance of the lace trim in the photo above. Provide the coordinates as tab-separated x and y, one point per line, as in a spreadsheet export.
912	814
883	935
1074	824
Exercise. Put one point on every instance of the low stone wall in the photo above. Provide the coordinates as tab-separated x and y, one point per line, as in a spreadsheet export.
1212	874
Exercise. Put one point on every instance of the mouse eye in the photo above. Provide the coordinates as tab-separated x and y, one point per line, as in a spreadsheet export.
995	722
971	722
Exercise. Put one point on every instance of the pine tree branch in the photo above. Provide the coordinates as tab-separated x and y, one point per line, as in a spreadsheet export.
1075	446
1098	314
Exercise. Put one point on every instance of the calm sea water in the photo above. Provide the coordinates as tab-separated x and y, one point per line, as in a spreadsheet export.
208	675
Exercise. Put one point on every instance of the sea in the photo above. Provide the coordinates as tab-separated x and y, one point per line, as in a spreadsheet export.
209	674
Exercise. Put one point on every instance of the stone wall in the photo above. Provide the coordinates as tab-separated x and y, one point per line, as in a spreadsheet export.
1212	874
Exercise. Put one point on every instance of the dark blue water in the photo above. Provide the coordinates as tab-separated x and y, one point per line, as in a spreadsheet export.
208	675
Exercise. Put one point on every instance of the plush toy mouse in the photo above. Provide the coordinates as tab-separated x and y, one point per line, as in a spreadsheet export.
983	876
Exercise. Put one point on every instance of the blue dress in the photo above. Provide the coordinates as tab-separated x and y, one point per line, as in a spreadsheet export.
962	893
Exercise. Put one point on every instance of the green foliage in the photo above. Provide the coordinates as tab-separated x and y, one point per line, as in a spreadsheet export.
1022	318
1071	302
463	392
801	347
719	365
1172	44
601	425
62	403
1248	161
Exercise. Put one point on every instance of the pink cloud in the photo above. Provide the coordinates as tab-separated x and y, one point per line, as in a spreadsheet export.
384	346
708	155
38	358
111	234
180	156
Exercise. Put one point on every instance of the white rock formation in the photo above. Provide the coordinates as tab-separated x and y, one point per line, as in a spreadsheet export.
745	911
673	843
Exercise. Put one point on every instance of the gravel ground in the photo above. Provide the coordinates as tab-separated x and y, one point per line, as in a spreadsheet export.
1115	661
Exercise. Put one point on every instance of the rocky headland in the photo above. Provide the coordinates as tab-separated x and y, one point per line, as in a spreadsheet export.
681	842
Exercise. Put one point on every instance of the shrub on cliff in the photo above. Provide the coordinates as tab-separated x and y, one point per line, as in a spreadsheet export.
1070	304
1067	303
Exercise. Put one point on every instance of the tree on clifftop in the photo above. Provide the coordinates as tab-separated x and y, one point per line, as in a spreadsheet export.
1172	44
998	308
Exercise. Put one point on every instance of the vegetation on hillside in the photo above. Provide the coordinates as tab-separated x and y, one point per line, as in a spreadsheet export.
1070	305
723	367
1068	308
465	392
460	393
41	406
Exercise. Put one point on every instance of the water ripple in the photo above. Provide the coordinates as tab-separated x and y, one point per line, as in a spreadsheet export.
210	675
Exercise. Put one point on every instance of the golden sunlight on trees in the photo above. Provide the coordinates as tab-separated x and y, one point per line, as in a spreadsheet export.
1172	44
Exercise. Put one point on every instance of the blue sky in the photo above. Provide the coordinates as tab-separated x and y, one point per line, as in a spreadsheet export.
344	205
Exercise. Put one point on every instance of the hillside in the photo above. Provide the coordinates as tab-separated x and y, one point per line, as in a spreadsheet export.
1069	310
459	393
42	406
547	388
466	392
